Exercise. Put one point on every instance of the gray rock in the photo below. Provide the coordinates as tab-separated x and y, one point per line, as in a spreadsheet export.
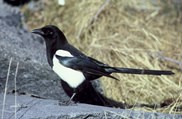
34	75
33	108
10	15
35	78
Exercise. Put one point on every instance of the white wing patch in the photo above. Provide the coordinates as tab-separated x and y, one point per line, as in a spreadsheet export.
73	77
63	53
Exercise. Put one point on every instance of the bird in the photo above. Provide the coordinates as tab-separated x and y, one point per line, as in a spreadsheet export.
74	67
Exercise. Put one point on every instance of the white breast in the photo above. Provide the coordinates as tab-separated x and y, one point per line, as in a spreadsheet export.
73	77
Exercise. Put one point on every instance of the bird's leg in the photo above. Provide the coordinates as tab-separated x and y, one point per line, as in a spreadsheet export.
71	98
73	95
69	101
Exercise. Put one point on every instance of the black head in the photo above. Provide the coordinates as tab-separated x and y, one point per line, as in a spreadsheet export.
52	35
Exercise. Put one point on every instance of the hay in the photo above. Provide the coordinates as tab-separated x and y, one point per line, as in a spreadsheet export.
127	34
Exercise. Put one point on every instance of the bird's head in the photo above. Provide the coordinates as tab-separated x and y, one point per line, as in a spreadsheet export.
51	34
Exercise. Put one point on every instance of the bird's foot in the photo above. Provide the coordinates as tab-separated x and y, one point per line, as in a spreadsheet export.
70	102
67	103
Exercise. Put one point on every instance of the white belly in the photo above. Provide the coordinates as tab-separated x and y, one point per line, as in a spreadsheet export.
73	77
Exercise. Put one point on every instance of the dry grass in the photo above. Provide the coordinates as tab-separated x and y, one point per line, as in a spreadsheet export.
127	34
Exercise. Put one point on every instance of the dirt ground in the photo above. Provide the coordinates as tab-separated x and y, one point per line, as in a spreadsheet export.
126	34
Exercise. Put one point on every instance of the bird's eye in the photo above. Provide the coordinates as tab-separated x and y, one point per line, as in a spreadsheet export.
49	33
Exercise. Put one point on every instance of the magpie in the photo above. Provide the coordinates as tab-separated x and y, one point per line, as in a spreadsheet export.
76	68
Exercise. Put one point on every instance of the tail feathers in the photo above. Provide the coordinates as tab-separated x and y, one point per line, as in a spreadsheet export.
139	71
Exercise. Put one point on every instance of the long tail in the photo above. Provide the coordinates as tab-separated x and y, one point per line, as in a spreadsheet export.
138	71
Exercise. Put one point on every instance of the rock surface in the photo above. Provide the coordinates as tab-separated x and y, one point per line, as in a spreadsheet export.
34	75
33	108
36	78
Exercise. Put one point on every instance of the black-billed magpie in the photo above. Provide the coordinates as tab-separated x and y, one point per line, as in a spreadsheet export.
74	67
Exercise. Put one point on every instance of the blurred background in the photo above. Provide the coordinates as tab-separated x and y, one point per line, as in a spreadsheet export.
133	34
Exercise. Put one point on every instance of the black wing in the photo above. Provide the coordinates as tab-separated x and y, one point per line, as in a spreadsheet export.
85	65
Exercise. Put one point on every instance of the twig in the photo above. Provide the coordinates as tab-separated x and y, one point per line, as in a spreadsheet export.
5	90
29	108
170	60
16	72
94	18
